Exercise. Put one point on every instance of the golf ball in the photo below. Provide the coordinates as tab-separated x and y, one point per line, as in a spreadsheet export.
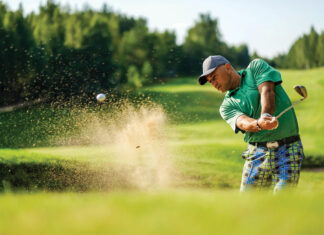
101	97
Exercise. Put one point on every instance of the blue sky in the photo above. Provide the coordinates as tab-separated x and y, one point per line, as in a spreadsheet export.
268	27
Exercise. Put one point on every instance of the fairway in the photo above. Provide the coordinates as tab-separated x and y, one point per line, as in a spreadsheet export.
51	149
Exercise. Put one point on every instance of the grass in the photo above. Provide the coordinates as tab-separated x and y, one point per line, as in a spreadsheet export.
45	150
167	212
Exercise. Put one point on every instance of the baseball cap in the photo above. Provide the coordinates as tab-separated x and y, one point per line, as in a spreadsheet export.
209	65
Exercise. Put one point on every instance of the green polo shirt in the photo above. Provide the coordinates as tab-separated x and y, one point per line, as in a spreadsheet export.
246	100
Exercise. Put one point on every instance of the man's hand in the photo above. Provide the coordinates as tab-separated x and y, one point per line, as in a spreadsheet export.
268	123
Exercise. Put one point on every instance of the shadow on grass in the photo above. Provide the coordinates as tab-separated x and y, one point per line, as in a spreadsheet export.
61	176
312	162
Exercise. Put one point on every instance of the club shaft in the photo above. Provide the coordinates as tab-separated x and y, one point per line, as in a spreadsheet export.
290	107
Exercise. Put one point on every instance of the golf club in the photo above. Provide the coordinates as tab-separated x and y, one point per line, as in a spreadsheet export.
301	90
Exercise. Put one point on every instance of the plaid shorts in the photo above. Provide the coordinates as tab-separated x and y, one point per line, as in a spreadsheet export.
272	167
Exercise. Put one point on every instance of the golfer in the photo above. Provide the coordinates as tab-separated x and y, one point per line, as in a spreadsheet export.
254	96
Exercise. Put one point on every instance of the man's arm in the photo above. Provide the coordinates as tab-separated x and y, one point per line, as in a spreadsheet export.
246	123
267	96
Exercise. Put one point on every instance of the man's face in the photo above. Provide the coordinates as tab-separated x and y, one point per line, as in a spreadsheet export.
220	78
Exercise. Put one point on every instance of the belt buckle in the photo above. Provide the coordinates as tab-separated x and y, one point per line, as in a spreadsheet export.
272	144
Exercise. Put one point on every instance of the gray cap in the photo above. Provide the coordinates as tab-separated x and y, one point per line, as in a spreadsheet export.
209	65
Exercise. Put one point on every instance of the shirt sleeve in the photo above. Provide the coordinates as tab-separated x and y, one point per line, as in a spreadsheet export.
230	115
263	72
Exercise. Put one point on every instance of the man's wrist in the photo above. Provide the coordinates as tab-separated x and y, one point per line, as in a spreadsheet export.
258	126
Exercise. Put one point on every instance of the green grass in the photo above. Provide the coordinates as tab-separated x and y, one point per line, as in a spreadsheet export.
45	149
167	212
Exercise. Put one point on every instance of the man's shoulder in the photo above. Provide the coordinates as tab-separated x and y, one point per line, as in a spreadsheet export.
257	63
228	101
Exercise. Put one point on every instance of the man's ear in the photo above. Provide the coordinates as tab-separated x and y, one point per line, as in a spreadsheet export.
228	67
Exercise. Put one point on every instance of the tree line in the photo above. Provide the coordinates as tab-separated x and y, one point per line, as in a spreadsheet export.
305	53
58	53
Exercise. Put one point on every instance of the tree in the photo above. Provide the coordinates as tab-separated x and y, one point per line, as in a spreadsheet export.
163	56
306	52
133	48
133	77
202	40
311	52
320	50
48	26
238	56
16	42
296	56
147	72
280	61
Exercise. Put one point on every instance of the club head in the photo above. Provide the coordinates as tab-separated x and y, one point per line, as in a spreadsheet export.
301	90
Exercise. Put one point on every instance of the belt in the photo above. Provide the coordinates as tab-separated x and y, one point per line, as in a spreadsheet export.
276	144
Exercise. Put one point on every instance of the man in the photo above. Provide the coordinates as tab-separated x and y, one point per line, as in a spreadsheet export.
254	97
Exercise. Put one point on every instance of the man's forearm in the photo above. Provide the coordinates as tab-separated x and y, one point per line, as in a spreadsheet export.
246	123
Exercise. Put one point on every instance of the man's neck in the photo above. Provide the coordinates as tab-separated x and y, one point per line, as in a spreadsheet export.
236	80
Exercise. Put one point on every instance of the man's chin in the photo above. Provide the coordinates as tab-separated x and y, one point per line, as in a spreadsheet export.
221	90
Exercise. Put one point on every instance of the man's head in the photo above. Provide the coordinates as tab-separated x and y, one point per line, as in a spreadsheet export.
219	72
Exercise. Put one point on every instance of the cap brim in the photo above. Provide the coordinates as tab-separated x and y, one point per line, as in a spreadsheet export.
203	78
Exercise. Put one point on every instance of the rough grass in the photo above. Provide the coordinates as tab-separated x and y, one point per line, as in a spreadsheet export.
168	212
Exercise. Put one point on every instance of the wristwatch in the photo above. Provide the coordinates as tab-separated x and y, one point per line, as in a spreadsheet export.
266	114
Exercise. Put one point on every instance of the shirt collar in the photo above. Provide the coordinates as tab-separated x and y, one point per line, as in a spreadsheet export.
242	73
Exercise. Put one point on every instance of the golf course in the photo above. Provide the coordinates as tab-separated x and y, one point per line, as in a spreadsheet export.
158	161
